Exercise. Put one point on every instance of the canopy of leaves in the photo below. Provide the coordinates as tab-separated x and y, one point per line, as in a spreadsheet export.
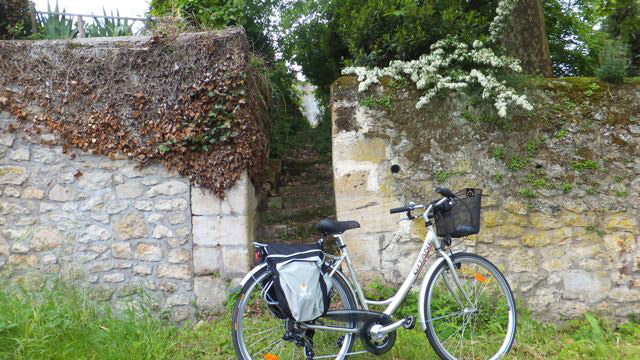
578	30
623	23
254	15
325	35
15	19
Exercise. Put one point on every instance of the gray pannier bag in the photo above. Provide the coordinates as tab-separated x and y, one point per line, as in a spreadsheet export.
300	285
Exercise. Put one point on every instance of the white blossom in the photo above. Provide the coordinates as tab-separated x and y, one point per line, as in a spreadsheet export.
434	71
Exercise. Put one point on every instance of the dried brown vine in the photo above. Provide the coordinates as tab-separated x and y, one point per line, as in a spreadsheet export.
191	102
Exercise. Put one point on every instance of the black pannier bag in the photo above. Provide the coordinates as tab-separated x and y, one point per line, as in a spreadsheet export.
300	287
463	218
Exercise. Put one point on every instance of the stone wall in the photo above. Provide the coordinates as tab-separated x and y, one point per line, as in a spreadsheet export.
104	223
561	209
95	217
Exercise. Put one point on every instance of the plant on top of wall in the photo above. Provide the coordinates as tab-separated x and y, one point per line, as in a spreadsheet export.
456	65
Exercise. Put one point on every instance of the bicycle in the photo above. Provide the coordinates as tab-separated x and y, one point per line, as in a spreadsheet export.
466	307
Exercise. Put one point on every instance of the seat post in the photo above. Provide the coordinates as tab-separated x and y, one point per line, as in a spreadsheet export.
354	280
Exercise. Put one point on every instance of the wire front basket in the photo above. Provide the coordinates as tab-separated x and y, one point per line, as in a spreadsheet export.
463	218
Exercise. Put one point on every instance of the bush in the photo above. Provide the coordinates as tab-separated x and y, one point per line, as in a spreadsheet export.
623	23
15	19
614	62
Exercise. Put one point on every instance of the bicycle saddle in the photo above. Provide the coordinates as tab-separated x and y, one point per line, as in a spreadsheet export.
332	227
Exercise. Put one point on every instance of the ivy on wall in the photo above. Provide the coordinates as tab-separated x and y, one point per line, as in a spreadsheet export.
191	102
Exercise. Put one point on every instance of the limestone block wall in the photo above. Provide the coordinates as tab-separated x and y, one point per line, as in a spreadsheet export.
107	225
561	211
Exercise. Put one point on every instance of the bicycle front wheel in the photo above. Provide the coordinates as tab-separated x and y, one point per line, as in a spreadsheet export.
483	327
258	333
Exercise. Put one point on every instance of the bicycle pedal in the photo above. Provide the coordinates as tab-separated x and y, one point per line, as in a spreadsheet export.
409	322
308	350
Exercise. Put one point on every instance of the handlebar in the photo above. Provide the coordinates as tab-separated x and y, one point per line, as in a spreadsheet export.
401	209
437	205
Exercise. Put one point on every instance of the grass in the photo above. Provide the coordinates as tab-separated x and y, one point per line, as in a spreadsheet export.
63	324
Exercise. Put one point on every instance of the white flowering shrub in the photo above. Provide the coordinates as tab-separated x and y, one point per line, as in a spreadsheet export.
454	65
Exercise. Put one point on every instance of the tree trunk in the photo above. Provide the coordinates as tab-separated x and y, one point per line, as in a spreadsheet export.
526	38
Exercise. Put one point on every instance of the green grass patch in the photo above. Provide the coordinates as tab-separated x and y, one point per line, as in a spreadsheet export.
62	323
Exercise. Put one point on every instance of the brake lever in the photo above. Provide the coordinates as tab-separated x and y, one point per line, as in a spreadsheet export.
408	218
403	219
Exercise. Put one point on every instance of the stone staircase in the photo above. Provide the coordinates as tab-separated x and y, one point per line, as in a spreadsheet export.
300	194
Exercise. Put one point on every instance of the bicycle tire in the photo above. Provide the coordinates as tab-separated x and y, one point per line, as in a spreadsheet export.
284	349
445	318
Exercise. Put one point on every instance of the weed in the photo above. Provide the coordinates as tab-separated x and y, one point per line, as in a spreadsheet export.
569	105
517	163
593	228
443	175
497	177
533	146
592	191
585	165
538	183
561	134
526	193
498	153
621	193
592	89
566	187
384	101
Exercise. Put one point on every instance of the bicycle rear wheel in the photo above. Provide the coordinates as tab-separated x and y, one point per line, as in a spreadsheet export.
258	333
484	329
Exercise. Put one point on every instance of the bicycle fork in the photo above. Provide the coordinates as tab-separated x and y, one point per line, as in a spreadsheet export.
454	274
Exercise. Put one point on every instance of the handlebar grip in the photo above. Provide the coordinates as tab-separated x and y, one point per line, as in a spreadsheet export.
399	210
444	191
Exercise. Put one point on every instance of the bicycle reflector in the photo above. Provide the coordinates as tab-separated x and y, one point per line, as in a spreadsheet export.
271	357
260	255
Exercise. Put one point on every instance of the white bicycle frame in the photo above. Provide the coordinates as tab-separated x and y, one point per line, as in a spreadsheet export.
431	240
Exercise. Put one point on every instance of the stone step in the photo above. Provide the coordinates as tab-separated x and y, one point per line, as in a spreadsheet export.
296	202
280	232
323	187
303	163
297	215
307	178
293	202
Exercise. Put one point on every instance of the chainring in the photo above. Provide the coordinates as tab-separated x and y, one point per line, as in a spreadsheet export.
373	346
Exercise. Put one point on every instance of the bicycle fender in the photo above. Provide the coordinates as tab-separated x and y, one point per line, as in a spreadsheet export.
423	292
250	274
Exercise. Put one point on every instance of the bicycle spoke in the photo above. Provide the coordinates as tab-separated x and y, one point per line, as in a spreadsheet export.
260	332
446	316
480	330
